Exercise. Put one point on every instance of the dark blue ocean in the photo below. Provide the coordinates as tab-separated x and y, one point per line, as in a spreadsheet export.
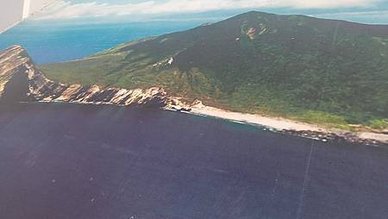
78	161
56	41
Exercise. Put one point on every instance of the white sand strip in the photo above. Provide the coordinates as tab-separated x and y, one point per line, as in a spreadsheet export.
276	122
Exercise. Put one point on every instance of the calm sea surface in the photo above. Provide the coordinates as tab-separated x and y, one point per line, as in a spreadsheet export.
77	161
49	42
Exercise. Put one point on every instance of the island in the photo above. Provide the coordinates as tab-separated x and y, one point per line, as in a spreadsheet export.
317	78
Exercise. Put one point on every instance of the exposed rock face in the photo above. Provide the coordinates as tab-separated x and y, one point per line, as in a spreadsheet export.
20	80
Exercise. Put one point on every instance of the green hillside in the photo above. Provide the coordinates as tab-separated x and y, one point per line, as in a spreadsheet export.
315	70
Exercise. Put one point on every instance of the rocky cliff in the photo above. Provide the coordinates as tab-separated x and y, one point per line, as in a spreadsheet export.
20	80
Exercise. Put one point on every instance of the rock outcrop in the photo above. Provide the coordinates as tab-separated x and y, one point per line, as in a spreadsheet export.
20	80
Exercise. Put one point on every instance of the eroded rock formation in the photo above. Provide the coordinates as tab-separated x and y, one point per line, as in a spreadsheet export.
20	80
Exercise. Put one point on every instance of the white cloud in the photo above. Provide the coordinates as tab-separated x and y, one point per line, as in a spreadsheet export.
326	4
65	9
373	17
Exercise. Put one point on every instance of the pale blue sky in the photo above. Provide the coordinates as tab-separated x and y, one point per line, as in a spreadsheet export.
365	11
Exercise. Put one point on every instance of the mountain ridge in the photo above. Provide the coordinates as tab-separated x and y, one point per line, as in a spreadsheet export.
301	67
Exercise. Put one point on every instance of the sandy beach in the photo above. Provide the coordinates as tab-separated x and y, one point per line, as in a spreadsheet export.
277	123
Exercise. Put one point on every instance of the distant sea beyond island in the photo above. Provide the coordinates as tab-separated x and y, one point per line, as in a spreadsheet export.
58	41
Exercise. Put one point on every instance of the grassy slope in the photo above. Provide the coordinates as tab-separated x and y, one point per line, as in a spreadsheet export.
310	69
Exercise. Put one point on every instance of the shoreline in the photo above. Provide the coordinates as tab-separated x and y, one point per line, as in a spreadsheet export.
275	124
288	126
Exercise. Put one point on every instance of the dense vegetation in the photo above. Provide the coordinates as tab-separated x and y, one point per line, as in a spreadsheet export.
316	70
